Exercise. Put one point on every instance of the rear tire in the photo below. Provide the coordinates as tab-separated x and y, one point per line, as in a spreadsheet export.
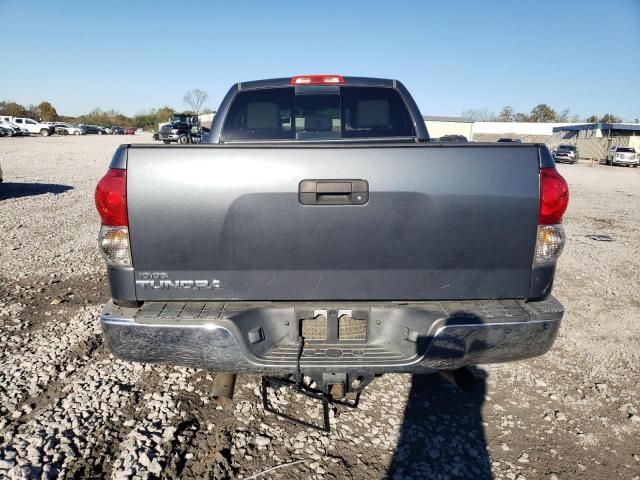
44	132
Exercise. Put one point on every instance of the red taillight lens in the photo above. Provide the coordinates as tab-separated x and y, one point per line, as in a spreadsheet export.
317	80
111	198
554	197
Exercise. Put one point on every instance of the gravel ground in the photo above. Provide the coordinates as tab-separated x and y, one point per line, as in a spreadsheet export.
69	409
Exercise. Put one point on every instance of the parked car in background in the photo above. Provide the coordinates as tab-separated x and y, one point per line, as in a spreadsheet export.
67	128
92	130
12	130
622	156
33	126
509	140
565	154
129	131
117	130
6	132
454	138
107	130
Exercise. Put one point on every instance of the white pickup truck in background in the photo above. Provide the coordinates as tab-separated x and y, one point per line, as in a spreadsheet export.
33	126
622	156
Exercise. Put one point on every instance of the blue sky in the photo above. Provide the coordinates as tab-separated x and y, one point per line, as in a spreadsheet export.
452	55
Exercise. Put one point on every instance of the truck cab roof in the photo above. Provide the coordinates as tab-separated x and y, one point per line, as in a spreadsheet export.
325	118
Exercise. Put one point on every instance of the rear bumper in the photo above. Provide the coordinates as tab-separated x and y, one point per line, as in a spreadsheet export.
261	338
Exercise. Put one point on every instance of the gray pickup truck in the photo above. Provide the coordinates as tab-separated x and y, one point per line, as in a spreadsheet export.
320	233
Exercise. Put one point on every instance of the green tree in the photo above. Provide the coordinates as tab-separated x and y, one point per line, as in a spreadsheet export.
46	112
610	118
542	113
14	109
149	119
592	119
506	114
163	114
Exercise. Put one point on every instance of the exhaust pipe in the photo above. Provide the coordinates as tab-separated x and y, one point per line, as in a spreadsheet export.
223	387
463	378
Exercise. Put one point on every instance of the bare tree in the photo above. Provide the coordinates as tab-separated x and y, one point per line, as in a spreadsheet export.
563	116
195	99
521	117
483	115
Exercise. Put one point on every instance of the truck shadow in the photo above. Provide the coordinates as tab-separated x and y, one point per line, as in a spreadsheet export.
18	190
442	434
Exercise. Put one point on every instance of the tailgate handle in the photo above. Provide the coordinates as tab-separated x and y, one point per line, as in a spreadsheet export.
333	192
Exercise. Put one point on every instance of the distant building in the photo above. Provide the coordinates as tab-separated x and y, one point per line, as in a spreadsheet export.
597	130
206	119
441	126
517	128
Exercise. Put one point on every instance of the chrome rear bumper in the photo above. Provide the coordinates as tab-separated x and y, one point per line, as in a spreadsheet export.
261	338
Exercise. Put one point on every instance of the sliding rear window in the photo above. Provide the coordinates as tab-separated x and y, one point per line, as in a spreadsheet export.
317	113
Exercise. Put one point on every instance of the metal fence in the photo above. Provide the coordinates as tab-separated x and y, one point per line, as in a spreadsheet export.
588	148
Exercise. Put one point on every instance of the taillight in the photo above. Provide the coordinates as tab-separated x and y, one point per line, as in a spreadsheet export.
554	197
317	80
114	246
111	202
111	198
549	244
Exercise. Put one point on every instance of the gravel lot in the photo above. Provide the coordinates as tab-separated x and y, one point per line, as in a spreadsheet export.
69	409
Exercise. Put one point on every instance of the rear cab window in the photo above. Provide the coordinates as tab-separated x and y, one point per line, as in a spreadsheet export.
317	113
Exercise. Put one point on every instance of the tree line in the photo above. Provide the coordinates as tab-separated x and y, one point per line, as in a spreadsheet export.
195	99
540	113
147	119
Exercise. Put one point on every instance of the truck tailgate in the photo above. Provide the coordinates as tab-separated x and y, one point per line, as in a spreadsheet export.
227	223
